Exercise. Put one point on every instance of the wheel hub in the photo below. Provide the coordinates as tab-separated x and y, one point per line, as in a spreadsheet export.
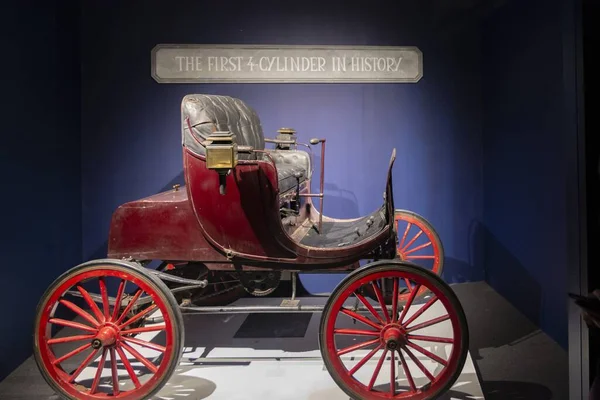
106	337
393	337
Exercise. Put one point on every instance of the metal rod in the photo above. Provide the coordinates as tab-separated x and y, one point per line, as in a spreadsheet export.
293	285
264	309
280	141
253	359
322	184
311	195
220	360
172	278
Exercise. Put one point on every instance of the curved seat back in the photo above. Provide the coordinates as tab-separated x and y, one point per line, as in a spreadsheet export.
210	113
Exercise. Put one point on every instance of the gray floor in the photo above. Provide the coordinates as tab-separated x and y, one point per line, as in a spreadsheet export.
513	358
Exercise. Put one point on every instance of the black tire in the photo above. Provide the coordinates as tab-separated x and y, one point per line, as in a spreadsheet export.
426	275
131	269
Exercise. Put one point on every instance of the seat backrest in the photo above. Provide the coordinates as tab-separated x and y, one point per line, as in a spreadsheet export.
209	113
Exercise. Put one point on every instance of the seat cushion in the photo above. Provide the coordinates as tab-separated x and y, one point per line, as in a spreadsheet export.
288	163
209	113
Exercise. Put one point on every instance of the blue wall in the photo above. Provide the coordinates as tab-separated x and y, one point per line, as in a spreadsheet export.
481	150
130	124
527	163
39	164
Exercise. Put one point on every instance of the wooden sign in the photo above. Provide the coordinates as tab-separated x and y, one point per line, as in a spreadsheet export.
180	63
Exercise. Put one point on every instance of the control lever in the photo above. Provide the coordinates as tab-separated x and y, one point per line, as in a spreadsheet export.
316	141
298	175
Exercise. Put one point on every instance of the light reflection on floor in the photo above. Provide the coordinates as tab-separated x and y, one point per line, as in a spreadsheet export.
269	368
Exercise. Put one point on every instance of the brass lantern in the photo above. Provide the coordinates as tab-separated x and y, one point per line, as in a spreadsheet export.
286	135
221	155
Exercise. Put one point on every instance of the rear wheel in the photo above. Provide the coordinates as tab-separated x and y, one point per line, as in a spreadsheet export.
107	329
418	243
415	349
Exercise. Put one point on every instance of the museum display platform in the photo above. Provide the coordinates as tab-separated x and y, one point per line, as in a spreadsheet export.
510	358
275	355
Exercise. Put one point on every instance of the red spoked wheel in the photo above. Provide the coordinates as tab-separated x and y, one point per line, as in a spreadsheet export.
418	242
410	350
108	329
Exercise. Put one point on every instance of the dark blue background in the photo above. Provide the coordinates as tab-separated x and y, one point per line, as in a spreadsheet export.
529	164
40	163
131	139
482	145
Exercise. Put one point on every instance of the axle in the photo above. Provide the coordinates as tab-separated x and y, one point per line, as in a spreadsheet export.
266	309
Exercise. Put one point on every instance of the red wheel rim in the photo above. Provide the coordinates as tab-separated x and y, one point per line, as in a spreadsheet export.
382	334
417	243
108	334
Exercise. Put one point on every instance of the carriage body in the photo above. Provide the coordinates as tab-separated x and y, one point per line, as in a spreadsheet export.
265	219
244	210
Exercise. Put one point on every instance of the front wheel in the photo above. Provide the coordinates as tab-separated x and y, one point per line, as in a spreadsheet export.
413	349
107	329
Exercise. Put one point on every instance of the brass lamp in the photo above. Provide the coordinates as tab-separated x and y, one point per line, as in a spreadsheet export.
286	136
221	155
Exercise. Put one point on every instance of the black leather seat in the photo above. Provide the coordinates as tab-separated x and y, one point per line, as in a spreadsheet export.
209	113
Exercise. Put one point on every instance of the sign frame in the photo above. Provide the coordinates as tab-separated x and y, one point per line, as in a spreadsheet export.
284	80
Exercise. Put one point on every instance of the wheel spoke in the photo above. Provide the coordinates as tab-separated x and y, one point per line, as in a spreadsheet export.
404	236
409	302
135	298
417	248
419	364
140	357
428	323
377	369
138	316
392	374
421	310
369	307
431	339
358	346
83	365
105	302
99	371
429	354
419	257
360	318
381	302
117	305
364	360
360	332
395	301
408	285
79	311
411	241
128	367
71	324
114	372
69	339
144	343
91	303
153	328
72	353
409	377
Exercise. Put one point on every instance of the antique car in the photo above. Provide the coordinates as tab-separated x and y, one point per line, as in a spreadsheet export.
113	328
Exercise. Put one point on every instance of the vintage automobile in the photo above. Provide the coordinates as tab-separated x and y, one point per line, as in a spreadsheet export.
113	328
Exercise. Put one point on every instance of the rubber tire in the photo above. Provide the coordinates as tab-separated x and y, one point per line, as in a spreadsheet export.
380	266
141	273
